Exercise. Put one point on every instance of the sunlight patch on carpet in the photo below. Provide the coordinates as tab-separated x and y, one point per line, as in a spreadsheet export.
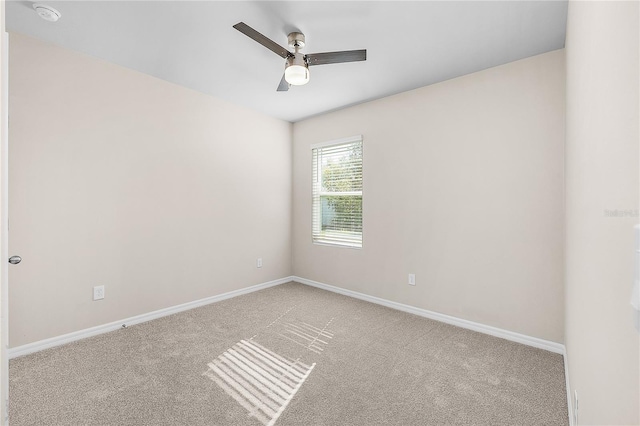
259	379
310	337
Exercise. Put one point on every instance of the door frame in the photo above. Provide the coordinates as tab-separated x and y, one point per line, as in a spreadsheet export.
4	227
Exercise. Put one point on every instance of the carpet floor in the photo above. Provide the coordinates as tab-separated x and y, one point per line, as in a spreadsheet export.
289	355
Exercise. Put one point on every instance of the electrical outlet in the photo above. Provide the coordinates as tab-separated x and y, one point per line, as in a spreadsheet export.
412	279
98	292
575	408
259	263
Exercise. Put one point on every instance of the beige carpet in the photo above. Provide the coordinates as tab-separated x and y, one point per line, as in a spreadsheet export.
289	355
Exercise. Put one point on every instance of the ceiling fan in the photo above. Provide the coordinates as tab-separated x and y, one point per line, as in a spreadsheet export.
296	71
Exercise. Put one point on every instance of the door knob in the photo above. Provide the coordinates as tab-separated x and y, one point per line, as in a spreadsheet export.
14	260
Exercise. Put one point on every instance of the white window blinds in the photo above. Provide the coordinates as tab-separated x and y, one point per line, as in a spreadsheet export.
337	193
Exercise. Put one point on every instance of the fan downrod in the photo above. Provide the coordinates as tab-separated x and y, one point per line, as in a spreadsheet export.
296	40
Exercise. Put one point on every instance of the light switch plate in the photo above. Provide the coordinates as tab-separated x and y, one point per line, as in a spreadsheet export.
412	279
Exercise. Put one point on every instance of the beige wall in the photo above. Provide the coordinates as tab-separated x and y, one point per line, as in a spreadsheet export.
463	186
161	194
602	174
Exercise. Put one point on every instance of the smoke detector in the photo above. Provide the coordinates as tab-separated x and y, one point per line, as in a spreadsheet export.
46	12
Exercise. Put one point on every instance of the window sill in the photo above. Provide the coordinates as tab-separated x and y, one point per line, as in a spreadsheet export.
334	244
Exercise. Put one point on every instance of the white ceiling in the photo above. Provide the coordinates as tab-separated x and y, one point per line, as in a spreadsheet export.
193	44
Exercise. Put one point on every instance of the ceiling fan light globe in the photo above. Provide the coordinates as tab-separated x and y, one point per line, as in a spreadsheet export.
296	75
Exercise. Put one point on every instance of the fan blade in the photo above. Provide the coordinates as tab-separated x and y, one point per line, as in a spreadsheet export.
336	57
283	86
266	42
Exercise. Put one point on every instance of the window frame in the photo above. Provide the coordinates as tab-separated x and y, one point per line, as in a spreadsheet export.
315	183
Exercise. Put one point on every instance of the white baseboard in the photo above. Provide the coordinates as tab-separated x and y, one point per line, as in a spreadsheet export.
93	331
459	322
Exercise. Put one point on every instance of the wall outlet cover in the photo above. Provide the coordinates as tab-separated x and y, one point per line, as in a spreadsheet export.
98	292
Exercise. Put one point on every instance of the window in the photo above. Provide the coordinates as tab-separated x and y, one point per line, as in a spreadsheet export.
337	192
